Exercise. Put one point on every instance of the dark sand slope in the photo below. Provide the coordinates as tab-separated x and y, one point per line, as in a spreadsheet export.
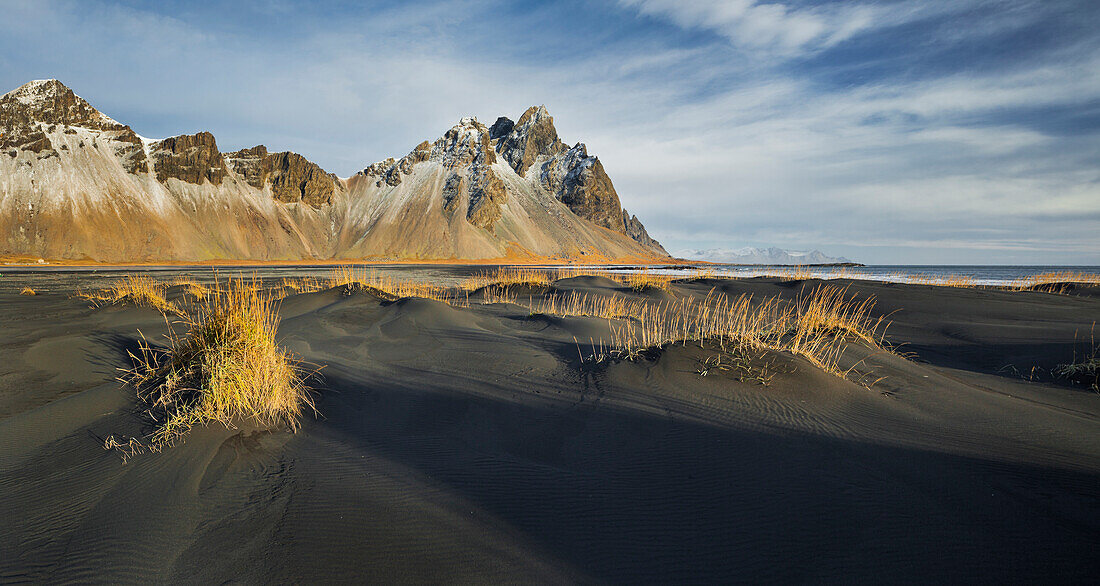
469	445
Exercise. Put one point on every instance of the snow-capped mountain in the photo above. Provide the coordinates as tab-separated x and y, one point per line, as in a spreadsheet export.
761	256
76	184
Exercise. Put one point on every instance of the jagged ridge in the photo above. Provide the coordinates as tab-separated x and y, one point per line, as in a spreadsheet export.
476	192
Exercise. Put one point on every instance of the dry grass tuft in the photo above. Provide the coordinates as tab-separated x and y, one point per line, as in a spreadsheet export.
511	277
646	281
226	367
701	275
1087	370
960	281
543	278
28	291
583	304
1056	282
1052	282
1065	277
392	289
192	287
295	285
792	273
817	325
137	290
499	294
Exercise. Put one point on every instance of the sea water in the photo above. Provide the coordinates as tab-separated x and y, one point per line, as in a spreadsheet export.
978	274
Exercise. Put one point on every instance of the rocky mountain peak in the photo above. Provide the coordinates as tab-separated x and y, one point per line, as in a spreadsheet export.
34	116
531	145
532	136
292	177
501	127
532	148
466	152
51	102
192	158
78	184
466	143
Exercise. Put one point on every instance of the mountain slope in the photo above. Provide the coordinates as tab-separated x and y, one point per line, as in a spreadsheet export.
76	184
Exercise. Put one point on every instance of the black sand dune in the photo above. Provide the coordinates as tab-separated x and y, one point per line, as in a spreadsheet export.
470	445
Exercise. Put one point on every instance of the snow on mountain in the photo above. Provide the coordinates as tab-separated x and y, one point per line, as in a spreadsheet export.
76	184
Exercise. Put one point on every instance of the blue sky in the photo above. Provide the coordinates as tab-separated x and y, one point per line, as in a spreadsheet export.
961	131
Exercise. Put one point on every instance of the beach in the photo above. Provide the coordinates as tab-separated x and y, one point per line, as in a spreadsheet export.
482	444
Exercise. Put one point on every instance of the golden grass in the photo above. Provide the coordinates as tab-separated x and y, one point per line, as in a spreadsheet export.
1056	282
28	291
393	289
138	290
805	272
1066	277
499	294
303	284
1051	280
701	274
507	277
583	304
961	281
817	325
543	278
192	287
226	367
646	281
794	273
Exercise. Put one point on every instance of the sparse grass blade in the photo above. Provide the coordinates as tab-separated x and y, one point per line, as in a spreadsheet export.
138	290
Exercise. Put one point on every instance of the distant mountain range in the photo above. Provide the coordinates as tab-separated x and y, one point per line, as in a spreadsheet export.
77	185
761	256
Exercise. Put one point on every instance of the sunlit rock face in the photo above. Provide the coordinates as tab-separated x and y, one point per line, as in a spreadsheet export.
76	184
290	176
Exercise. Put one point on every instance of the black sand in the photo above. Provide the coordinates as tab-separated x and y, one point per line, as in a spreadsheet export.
469	445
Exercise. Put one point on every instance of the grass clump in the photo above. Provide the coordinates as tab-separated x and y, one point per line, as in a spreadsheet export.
505	277
1085	371
137	290
296	285
1059	277
392	289
226	367
192	287
817	325
510	277
646	281
28	291
702	274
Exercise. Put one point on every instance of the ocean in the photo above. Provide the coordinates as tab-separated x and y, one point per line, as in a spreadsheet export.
977	274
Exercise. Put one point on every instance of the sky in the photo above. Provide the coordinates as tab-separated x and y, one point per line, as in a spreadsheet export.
888	132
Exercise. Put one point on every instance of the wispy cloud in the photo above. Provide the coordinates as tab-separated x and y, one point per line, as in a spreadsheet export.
880	131
756	25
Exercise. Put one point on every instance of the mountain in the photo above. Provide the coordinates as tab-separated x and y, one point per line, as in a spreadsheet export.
762	256
77	185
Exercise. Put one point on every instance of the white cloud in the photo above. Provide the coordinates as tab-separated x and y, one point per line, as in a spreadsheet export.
759	25
709	153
